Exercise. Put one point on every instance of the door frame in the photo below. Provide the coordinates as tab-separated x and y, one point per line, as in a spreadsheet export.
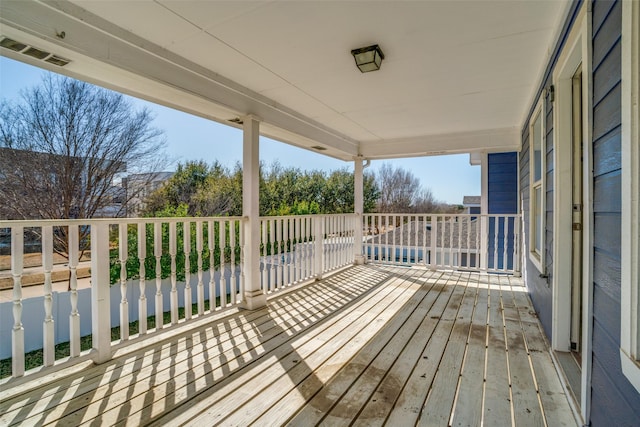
577	50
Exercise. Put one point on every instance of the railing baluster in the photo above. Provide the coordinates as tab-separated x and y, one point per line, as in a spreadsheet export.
516	244
48	338
391	256
186	248
266	286
451	218
495	241
124	303
199	249
272	241
309	247
142	255
332	242
17	333
372	241
305	254
223	273
211	241
174	276
365	235
341	240
239	294
285	252
416	240
318	250
458	262
468	263
279	238
157	253
74	316
434	242
337	240
234	277
505	231
297	252
480	257
423	228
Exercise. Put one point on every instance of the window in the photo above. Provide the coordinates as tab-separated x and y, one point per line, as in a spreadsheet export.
630	283
537	186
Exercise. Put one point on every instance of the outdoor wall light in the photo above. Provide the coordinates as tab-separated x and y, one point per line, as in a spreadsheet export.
368	58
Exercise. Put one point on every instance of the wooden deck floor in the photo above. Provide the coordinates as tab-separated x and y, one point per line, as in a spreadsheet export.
370	345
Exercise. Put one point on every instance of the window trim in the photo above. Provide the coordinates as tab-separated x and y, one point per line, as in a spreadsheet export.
538	259
630	275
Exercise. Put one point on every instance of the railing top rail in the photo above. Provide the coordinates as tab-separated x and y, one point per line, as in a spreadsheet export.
442	214
278	217
90	221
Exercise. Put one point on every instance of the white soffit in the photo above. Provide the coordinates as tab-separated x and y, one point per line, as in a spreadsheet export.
453	69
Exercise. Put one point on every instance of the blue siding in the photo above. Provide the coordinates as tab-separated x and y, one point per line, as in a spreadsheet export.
614	400
539	288
502	198
503	183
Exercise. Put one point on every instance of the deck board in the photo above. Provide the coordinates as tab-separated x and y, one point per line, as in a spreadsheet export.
468	407
371	345
497	394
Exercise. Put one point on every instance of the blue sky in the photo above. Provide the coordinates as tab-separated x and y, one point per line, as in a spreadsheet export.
193	138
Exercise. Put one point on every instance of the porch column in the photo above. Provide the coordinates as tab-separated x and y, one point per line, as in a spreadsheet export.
358	208
253	297
484	211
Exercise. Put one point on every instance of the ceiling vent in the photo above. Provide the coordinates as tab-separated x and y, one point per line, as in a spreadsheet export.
319	148
33	52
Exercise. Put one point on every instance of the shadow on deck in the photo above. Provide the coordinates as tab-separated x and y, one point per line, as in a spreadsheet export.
370	345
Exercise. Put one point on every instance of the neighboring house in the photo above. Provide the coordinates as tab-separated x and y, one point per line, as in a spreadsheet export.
471	204
139	186
37	185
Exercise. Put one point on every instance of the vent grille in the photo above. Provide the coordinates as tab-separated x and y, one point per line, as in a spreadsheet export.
32	51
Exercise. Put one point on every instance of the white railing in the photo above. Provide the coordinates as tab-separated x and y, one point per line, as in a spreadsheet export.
154	273
175	268
295	249
453	241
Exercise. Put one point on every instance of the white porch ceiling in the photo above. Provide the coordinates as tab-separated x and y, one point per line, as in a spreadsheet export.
458	76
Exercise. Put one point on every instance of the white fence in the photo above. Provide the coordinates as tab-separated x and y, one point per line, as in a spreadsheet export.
61	305
453	241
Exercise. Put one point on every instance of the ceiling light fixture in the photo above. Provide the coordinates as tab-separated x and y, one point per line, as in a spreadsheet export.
368	58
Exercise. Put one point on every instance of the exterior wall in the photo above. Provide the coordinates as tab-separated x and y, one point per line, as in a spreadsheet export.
502	198
503	183
613	397
614	401
539	287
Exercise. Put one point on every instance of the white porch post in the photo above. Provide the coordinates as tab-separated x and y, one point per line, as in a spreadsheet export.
484	210
253	297
100	301
358	208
